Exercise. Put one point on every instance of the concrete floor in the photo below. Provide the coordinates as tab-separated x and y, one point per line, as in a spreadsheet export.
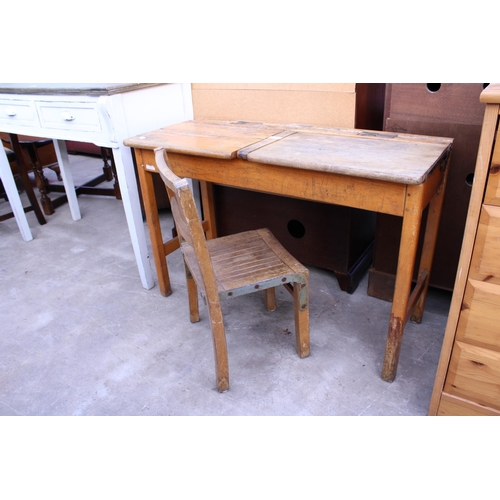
80	336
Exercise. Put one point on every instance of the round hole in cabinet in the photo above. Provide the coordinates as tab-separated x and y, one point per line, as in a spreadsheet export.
433	87
296	228
469	179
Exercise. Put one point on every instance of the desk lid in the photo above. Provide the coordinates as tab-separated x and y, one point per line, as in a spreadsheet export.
405	159
214	139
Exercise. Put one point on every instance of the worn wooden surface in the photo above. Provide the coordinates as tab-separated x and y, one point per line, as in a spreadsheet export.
372	156
400	158
207	138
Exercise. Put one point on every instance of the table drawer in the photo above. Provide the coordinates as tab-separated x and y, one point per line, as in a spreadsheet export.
77	116
18	112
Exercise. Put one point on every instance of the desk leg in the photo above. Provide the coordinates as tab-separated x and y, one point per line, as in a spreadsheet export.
155	234
207	202
131	204
429	245
13	196
406	262
67	176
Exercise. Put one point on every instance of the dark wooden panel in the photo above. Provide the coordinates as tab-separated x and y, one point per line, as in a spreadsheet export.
466	141
452	103
370	99
328	236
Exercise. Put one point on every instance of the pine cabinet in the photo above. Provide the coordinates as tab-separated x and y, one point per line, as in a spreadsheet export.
468	375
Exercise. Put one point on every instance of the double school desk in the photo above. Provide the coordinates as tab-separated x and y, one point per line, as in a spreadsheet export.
383	172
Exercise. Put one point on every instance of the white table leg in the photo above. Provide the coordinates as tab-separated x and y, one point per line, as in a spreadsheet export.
13	195
67	177
131	204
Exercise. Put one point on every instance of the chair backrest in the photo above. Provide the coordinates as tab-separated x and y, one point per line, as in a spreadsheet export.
187	221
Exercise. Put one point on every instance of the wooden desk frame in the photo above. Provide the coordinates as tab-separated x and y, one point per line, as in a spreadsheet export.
403	200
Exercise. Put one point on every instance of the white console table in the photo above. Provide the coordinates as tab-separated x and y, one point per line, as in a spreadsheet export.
101	113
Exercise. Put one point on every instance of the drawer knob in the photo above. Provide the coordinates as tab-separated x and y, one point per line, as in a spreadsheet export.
10	112
67	116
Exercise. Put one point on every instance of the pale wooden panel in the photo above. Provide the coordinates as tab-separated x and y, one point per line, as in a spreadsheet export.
474	374
308	87
485	264
480	319
310	107
450	406
492	195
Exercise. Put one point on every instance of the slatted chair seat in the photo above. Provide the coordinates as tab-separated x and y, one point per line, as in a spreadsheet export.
232	266
250	259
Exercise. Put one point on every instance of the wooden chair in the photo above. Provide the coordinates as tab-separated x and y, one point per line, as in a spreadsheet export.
26	182
35	154
231	266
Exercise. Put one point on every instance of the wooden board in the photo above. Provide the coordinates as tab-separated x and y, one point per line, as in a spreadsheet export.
320	104
213	140
382	157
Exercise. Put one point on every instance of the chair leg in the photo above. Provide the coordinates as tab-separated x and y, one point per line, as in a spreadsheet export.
301	313
57	171
270	298
194	312
220	347
23	172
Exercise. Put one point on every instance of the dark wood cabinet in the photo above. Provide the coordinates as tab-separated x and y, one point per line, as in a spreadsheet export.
444	110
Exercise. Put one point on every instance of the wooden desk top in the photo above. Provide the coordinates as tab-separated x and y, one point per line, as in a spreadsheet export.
400	158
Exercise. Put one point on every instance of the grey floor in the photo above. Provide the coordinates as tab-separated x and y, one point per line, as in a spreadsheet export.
81	336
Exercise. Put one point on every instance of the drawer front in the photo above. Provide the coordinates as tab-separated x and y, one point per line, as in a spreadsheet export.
479	322
492	195
474	374
485	264
452	406
18	112
81	117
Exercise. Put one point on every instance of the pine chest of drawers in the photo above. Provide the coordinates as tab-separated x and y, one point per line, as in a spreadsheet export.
468	376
